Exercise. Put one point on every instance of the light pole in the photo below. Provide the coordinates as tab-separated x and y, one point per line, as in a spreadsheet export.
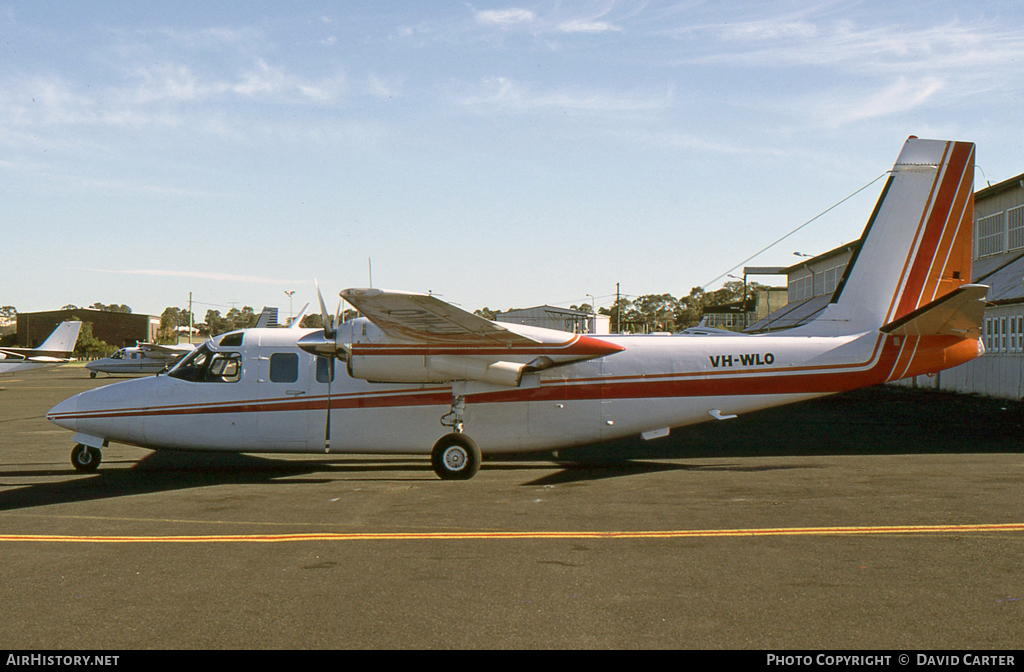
593	311
290	317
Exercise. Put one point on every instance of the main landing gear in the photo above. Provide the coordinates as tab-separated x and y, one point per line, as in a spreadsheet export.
86	458
455	456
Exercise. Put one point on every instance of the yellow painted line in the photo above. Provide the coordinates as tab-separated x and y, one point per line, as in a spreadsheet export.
471	536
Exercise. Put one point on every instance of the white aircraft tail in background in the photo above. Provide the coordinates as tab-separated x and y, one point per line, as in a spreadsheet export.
55	350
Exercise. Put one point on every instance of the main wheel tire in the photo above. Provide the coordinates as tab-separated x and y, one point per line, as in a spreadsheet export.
455	457
86	458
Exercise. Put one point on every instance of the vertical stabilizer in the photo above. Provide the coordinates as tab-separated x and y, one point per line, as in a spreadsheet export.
916	247
61	342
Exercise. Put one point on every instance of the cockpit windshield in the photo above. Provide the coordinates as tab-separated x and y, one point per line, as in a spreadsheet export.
204	365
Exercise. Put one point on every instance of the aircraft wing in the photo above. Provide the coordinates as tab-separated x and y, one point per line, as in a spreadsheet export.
166	350
430	341
413	317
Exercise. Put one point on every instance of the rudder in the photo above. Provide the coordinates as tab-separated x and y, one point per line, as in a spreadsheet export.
917	245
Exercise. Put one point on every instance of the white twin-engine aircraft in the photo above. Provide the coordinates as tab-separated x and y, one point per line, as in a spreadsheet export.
141	358
418	375
54	351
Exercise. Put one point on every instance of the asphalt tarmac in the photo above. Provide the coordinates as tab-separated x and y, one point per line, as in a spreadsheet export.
885	519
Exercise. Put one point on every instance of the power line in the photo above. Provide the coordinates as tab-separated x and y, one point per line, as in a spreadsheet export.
819	215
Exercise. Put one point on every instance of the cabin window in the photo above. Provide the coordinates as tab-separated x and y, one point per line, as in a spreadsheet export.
324	370
284	367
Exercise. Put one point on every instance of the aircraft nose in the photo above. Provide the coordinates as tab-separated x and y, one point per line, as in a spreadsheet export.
63	414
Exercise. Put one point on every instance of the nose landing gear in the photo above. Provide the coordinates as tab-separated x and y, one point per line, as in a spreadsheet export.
86	458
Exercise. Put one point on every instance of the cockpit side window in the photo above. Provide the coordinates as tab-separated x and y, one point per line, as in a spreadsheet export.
232	340
203	365
225	367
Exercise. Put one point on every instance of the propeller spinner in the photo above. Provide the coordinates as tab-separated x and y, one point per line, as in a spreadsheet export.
323	343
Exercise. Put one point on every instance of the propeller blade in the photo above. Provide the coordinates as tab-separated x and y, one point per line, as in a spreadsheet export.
327	424
328	322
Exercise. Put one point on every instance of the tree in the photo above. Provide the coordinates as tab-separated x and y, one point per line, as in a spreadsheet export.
170	321
213	324
112	308
240	319
656	312
312	321
88	345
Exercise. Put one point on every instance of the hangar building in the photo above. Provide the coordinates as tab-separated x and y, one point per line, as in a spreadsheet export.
117	329
553	317
998	262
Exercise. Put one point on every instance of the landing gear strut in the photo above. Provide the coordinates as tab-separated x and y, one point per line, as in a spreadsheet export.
86	458
453	418
455	457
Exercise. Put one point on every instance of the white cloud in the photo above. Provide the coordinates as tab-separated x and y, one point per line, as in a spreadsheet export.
901	96
380	87
505	17
585	26
506	94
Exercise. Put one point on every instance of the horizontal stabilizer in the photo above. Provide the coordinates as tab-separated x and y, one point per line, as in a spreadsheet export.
958	313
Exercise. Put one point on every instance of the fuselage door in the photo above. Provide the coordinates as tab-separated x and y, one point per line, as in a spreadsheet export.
283	416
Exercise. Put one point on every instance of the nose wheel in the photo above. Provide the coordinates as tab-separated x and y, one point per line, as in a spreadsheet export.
86	458
455	457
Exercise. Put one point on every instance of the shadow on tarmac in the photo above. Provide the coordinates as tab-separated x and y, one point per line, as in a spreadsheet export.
876	421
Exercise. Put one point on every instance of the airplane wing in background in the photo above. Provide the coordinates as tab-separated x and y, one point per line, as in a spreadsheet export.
159	350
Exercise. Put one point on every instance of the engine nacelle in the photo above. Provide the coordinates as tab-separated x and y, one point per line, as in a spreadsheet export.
433	369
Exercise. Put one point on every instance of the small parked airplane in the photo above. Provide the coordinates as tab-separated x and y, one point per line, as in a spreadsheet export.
421	376
141	358
54	351
149	358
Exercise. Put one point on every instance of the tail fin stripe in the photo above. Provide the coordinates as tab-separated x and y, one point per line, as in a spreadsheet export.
919	233
939	217
963	212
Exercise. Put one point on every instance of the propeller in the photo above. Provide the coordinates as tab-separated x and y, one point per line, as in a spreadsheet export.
325	346
329	324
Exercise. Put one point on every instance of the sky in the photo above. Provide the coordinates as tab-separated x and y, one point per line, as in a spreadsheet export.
498	154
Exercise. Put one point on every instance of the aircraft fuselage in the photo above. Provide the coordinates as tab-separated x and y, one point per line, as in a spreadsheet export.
275	397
